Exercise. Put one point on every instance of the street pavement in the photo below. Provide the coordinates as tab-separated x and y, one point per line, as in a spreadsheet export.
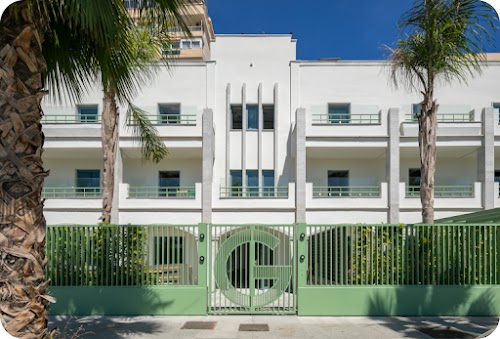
146	327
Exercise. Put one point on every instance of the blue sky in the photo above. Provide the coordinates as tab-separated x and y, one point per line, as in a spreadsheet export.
324	28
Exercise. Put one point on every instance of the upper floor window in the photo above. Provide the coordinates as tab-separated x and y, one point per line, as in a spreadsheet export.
190	43
268	111
497	175
87	113
339	113
169	178
496	105
171	48
236	117
252	116
337	180
236	183
416	110
88	178
414	177
169	113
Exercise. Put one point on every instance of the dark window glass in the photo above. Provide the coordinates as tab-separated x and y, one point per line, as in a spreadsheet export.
252	116
268	183
88	178
339	113
416	110
497	175
252	183
168	250
336	181
169	113
268	111
236	183
496	105
87	113
414	177
236	117
169	182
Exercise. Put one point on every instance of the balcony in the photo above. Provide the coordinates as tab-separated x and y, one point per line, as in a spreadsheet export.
353	119
346	191
187	192
170	119
72	125
72	193
446	117
466	197
71	119
455	122
253	192
458	191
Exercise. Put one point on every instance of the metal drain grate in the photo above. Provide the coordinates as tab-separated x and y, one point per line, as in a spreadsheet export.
445	332
254	328
199	325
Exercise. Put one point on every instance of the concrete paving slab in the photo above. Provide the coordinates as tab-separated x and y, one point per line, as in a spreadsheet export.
149	327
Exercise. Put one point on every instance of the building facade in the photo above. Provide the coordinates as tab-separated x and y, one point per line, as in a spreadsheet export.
257	136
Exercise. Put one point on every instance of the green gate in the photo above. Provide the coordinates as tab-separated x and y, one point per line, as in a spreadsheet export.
252	269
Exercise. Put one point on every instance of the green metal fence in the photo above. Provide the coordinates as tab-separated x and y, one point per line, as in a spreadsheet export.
403	255
171	119
446	117
71	119
110	255
346	191
441	191
254	191
72	192
162	192
347	118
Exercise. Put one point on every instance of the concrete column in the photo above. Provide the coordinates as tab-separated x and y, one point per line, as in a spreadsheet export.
300	166
244	119
393	165
261	127
486	159
208	165
228	134
115	208
276	136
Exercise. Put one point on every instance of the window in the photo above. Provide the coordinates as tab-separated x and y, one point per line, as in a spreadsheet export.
268	183
168	250
169	113
416	110
268	111
190	43
414	177
339	113
496	106
236	183
236	117
172	48
252	116
337	180
87	113
88	182
252	183
168	182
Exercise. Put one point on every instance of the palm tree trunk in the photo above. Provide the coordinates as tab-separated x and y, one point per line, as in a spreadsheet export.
24	304
427	145
109	137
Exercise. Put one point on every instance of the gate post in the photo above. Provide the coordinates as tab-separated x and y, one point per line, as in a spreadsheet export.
301	259
203	239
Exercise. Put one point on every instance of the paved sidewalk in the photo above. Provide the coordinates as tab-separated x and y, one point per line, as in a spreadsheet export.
279	327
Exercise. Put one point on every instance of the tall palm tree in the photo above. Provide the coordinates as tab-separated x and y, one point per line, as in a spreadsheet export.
443	42
30	32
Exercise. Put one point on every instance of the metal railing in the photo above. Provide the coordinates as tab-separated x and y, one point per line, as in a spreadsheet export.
171	119
458	191
112	255
162	192
446	117
347	118
254	192
72	192
71	119
403	255
346	191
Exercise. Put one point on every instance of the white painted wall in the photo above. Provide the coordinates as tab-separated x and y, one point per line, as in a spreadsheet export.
362	172
63	171
140	173
449	171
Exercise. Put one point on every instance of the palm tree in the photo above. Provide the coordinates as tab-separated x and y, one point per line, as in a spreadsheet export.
443	42
31	31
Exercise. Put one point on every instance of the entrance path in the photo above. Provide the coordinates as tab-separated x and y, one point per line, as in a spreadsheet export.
279	327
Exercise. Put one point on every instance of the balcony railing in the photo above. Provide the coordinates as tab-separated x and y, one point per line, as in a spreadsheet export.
72	192
347	118
191	28
185	192
346	191
446	117
71	119
171	119
253	192
455	191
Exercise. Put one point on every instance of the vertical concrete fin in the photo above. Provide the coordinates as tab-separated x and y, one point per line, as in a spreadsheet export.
261	127
276	134
393	165
486	158
244	120
115	208
300	167
208	165
228	133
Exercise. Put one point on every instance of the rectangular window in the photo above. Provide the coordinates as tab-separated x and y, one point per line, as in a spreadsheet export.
416	110
88	182
252	183
190	43
169	113
236	117
168	182
172	48
414	177
339	113
268	183
168	250
268	111
338	181
252	116
236	183
87	113
496	106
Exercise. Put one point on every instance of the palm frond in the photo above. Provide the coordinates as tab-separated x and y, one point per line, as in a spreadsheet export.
152	147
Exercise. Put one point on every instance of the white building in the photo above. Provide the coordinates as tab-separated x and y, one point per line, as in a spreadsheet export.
256	136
